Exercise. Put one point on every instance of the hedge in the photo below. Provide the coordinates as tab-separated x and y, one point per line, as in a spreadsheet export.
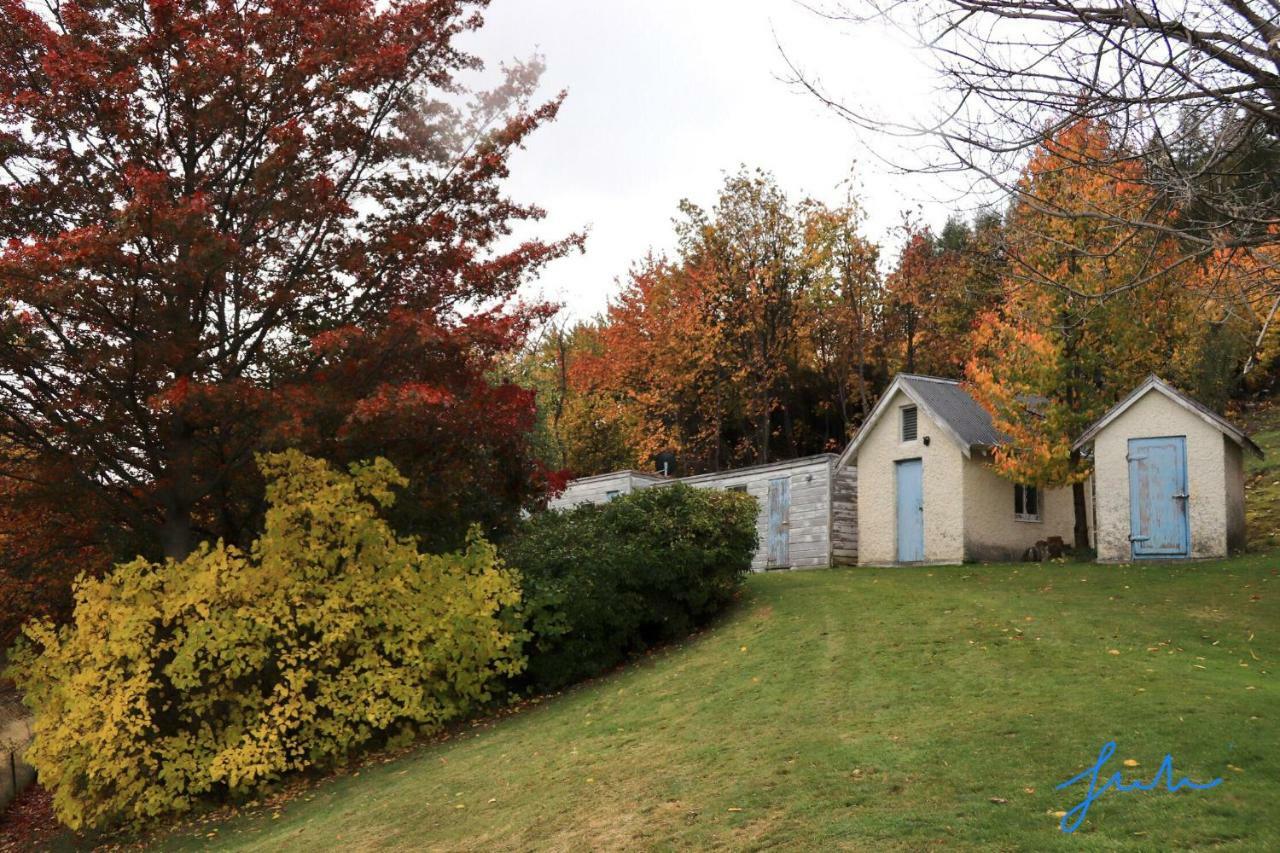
604	582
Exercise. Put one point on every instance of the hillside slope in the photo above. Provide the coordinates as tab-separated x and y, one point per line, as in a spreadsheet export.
1262	478
870	709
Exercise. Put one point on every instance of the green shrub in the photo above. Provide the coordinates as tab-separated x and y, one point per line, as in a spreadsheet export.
603	582
219	674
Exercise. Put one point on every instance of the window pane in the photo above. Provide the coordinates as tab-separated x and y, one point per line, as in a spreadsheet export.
1033	501
1017	500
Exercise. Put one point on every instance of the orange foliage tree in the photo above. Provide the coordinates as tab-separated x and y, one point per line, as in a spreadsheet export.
1065	343
758	341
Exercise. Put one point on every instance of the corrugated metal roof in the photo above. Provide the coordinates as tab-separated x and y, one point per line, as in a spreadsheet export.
949	402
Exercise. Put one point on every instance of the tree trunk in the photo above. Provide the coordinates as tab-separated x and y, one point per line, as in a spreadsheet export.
562	359
176	535
1081	543
764	431
911	342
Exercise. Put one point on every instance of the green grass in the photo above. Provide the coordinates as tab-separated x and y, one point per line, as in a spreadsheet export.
1262	480
878	709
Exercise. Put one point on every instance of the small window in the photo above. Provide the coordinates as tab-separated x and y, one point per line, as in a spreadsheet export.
737	488
1026	503
613	495
908	423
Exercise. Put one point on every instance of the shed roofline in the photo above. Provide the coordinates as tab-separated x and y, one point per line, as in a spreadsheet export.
758	469
882	406
1155	383
648	475
730	472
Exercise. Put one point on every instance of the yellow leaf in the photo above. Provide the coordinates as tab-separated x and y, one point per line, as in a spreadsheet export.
1129	762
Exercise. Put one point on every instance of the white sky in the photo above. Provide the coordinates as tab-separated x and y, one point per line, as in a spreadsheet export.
665	96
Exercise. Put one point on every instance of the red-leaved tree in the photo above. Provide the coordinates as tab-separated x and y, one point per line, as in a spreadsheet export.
232	226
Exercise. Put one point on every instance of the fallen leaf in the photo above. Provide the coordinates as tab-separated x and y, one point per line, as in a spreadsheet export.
1130	762
734	809
1029	790
999	801
1113	651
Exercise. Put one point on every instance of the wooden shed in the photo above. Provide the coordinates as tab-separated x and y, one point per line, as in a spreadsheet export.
808	511
605	487
1168	477
808	514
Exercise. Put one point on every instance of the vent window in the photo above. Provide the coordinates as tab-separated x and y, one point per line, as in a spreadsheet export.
909	426
1026	503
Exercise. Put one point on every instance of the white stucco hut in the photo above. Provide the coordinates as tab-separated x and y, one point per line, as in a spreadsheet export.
1168	477
926	489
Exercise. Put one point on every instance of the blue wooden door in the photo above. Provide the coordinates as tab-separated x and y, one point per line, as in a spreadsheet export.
779	532
1158	497
910	481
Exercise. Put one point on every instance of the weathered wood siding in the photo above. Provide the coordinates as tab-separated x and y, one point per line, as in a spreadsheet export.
844	517
595	490
809	516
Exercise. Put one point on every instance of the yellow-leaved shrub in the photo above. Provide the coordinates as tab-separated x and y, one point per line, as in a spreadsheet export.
217	675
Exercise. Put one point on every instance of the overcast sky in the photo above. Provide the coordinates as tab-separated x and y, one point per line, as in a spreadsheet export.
665	96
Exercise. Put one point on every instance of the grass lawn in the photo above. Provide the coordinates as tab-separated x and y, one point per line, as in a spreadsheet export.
886	709
1262	491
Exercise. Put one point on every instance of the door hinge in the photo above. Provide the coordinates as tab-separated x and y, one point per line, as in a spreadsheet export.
1181	497
1134	458
1139	538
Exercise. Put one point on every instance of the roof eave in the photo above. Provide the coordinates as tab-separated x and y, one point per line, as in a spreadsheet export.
1155	383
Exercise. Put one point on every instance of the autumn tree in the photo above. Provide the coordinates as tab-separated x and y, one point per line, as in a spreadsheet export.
1190	89
581	427
912	289
659	371
1065	344
942	282
236	226
757	340
750	248
843	308
1237	295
